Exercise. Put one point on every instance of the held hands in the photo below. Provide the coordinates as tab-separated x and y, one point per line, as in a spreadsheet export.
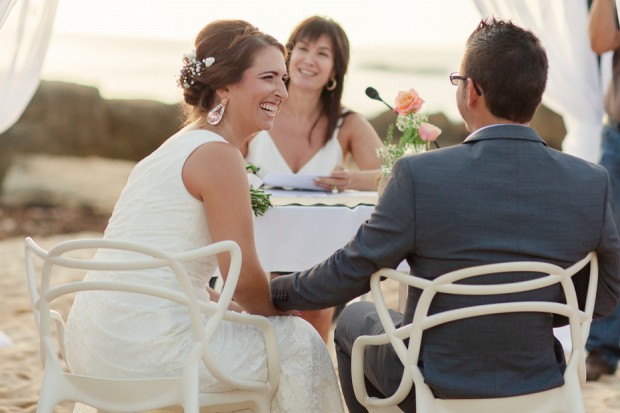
337	181
271	310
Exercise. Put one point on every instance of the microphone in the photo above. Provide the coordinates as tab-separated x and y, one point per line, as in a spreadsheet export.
372	93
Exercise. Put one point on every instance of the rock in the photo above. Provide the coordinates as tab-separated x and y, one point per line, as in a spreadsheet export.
61	119
135	128
93	183
74	120
549	126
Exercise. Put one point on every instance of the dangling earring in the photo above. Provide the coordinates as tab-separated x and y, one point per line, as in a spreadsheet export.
331	85
215	115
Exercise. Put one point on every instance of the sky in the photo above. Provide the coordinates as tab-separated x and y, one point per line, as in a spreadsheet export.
367	22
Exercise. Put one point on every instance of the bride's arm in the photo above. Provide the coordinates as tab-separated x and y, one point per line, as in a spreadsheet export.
215	174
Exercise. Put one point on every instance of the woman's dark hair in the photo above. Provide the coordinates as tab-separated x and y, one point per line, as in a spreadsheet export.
310	30
234	45
510	65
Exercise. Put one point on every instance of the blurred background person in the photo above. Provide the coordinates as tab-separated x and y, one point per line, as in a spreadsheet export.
313	133
603	343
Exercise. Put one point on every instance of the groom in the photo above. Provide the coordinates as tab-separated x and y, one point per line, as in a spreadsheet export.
502	195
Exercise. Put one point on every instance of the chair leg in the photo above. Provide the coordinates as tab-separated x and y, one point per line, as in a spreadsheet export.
48	397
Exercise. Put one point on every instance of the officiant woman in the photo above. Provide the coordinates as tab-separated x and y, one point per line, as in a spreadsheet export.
313	133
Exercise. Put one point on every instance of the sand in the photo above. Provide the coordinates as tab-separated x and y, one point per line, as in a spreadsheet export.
20	366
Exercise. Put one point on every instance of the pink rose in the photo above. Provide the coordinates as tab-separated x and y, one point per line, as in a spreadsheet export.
428	132
407	102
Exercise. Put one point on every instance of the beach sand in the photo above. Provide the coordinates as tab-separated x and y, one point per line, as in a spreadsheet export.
64	180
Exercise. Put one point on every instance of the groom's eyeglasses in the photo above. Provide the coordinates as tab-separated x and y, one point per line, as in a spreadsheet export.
455	77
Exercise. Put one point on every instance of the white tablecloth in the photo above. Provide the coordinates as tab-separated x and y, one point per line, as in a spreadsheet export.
295	237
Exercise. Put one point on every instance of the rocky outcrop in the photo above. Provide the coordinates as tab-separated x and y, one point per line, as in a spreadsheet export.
550	126
74	120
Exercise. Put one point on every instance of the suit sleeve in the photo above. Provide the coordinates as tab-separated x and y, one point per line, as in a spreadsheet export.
385	240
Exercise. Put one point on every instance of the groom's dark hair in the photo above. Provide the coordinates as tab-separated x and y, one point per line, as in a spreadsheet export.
510	65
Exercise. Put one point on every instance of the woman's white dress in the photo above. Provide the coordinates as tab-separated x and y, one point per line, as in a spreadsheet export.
120	336
264	154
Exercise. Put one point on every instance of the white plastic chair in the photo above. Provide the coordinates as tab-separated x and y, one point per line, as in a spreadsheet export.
154	393
565	399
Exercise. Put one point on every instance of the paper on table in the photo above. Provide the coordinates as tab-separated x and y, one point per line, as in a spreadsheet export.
292	181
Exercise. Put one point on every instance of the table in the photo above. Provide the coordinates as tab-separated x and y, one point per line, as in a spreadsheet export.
305	227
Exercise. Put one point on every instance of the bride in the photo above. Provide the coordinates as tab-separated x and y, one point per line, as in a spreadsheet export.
192	191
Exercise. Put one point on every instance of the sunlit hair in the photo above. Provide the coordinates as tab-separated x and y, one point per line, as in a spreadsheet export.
310	30
233	44
510	65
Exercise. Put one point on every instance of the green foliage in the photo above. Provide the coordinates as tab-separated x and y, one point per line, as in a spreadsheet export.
409	142
261	201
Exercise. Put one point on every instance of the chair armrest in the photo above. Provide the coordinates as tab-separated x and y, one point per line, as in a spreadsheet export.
60	330
394	336
357	369
271	347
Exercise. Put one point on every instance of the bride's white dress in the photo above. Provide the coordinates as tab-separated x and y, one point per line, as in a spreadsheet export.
120	335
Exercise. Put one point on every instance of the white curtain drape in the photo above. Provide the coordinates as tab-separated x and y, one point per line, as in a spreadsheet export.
574	88
25	29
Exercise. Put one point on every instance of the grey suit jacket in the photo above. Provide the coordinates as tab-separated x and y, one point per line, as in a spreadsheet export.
502	195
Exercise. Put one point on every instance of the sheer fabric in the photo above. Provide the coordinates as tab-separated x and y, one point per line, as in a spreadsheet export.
574	84
25	29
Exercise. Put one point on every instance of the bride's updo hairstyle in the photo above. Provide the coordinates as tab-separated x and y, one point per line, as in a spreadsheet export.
233	45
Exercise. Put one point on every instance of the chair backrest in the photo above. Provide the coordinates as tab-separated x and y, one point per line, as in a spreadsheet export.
565	399
144	394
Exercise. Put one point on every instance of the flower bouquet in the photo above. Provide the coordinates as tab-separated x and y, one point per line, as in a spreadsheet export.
260	199
417	133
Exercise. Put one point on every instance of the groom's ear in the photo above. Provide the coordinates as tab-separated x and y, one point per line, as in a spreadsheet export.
473	98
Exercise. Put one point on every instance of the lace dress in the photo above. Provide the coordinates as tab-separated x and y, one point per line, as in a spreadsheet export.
122	336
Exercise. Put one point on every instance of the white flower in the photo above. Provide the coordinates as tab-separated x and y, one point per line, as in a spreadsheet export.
192	68
254	181
208	61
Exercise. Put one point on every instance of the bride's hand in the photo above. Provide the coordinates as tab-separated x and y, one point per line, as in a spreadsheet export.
295	313
233	306
273	311
215	297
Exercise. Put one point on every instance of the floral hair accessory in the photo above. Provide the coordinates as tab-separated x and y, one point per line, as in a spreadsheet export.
192	68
